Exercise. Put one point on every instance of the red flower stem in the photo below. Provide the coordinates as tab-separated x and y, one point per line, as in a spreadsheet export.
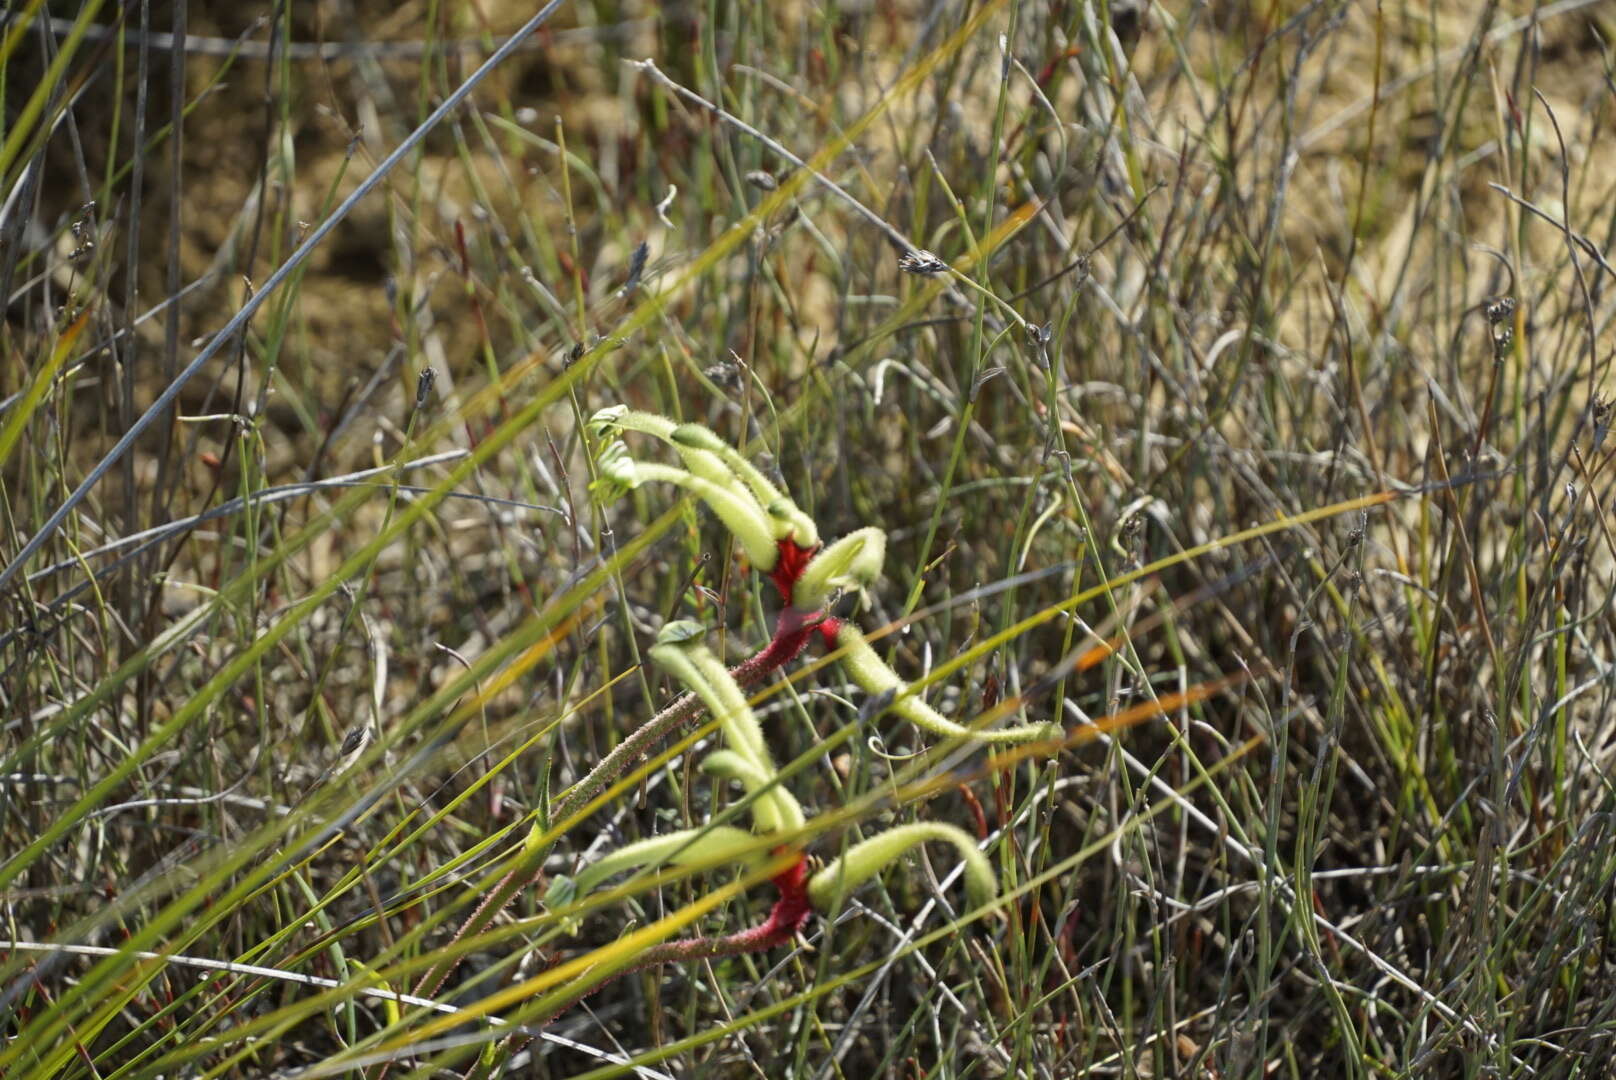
786	918
791	633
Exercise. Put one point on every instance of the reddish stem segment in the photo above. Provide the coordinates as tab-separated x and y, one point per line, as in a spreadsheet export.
793	560
787	917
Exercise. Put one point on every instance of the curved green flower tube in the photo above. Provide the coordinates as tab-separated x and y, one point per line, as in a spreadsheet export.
609	421
693	664
828	888
687	847
793	522
854	561
774	809
698	455
711	458
680	652
739	513
873	675
706	475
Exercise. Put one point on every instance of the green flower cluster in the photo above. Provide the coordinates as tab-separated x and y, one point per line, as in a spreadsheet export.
783	542
775	812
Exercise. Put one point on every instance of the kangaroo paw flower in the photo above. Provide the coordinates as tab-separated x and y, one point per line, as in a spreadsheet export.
714	845
708	458
776	810
873	675
853	562
828	888
679	651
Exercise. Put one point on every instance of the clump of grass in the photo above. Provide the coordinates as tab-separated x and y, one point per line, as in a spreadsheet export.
1222	392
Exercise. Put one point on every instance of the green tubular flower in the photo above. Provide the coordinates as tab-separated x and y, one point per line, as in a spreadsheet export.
700	450
697	443
616	472
792	524
608	422
734	765
693	664
679	651
775	810
791	521
854	562
710	458
739	513
679	632
873	675
648	423
741	727
688	847
828	888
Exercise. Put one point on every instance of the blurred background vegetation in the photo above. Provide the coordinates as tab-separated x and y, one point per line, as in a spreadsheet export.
286	685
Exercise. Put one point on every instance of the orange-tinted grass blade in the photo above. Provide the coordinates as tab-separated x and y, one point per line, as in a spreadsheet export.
621	951
947	668
1105	725
530	656
1149	710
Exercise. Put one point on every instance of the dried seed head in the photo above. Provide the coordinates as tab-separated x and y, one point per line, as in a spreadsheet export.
921	261
354	741
636	264
1501	316
83	229
787	219
724	374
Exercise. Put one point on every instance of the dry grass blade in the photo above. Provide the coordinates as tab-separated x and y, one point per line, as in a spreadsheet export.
1209	405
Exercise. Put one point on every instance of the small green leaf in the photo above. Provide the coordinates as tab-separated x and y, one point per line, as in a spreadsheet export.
605	423
542	796
679	632
561	891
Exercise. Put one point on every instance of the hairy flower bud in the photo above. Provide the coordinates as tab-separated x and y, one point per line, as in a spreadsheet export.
853	562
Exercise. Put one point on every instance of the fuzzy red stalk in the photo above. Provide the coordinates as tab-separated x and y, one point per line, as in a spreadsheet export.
792	631
793	560
788	916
